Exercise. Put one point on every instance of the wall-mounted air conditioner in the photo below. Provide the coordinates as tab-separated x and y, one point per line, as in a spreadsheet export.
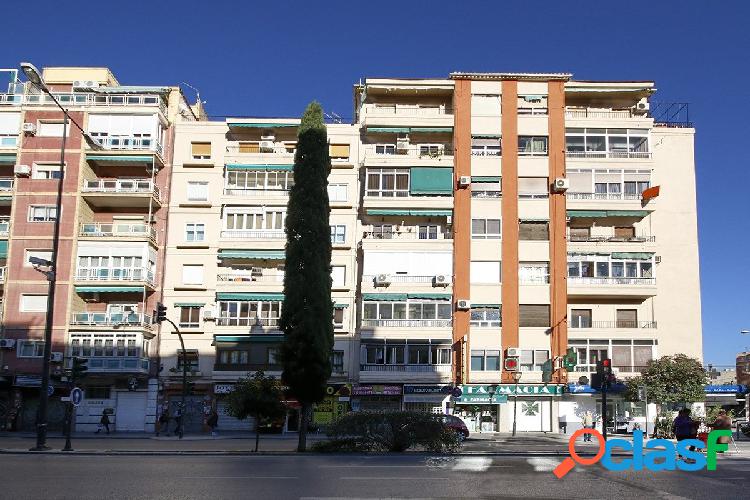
561	184
29	128
442	280
22	170
382	280
85	84
267	146
464	180
463	304
513	352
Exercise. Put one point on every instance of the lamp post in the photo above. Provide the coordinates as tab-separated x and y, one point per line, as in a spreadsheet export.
516	379
35	77
492	390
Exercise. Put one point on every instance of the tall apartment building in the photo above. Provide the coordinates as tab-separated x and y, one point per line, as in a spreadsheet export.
112	240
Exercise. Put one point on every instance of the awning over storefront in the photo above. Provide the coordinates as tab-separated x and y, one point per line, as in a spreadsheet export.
250	296
252	254
389	297
248	338
244	166
431	180
109	289
423	213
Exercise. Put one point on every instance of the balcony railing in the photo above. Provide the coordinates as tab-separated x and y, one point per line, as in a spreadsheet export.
621	368
116	229
259	322
110	319
251	278
603	196
84	99
613	324
608	154
406	368
407	323
255	192
125	186
6	183
246	367
253	148
405	235
118	364
407	110
405	278
610	281
129	143
115	274
600	113
598	238
254	234
4	225
413	151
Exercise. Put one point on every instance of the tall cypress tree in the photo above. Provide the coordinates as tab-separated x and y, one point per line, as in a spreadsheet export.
307	314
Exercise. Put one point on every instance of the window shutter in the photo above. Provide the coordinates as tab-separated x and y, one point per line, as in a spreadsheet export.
340	151
201	148
249	147
533	185
533	315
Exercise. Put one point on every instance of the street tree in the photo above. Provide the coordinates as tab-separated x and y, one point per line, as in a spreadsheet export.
258	396
307	312
669	380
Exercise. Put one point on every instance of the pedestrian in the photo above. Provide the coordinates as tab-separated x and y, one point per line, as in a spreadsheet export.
722	422
684	427
563	421
213	422
588	423
163	423
103	422
178	421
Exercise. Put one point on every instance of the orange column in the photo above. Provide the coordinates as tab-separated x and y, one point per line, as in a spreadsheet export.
461	226
509	122
557	243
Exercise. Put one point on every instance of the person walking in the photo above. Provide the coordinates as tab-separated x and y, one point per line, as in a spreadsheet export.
163	423
213	422
588	423
178	422
722	422
684	427
103	422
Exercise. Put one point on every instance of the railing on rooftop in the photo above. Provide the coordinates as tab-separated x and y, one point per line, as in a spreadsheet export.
671	114
601	113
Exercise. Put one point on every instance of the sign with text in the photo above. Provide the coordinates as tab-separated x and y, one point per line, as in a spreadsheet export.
427	389
376	390
510	390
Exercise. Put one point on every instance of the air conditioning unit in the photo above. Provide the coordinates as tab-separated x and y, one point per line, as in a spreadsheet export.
463	304
22	170
382	280
85	84
7	343
464	180
56	357
29	128
267	146
402	144
513	352
442	280
561	184
643	106
271	138
657	259
208	315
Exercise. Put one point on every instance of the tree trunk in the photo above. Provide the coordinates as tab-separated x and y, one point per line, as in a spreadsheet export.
257	431
304	420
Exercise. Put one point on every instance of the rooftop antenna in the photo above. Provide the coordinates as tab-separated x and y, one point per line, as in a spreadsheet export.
197	92
334	117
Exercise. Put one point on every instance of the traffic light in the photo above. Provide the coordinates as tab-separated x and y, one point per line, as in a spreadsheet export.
79	368
161	313
511	364
547	371
604	376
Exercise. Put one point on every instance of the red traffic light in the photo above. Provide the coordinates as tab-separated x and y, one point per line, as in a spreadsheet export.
607	363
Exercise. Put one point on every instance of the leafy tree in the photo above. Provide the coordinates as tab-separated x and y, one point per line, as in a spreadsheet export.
306	317
670	380
258	396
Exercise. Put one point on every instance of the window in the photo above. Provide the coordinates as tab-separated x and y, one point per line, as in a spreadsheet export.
580	318
617	270
192	274
477	361
240	220
375	312
485	271
33	303
190	316
197	191
272	356
45	171
39	254
533	315
42	213
533	187
625	232
485	229
419	354
385	149
441	355
338	234
30	349
533	230
533	273
249	313
338	317
532	104
201	150
338	276
51	129
427	232
532	360
532	146
243	181
485	360
579	233
195	232
337	192
486	189
486	317
388	182
627	318
191	359
400	352
338	151
485	104
486	146
337	361
383	231
611	142
630	356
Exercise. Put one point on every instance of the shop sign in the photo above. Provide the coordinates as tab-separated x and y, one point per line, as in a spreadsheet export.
223	388
341	391
376	390
427	389
481	399
510	389
28	381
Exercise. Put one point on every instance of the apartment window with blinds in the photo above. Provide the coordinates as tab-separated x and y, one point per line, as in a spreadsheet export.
42	213
533	315
532	360
190	358
272	219
533	187
201	150
485	229
338	317
192	274
388	182
533	230
51	129
197	191
338	151
532	146
337	192
486	189
533	273
30	349
485	360
488	272
45	171
240	181
486	317
627	318
33	303
486	146
338	276
580	318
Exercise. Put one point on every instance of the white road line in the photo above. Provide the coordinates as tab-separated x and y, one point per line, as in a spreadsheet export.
476	464
239	477
389	478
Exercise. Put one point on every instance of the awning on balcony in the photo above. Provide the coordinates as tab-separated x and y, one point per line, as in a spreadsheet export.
485	136
248	338
431	296
388	130
189	304
340	306
431	130
270	296
120	158
243	166
109	289
587	213
627	213
485	178
632	255
3	249
388	297
7	159
132	89
390	211
261	125
431	180
489	306
252	254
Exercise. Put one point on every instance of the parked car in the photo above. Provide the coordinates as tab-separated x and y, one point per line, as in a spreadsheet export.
456	424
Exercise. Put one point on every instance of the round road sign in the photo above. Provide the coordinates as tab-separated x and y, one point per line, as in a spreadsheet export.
76	396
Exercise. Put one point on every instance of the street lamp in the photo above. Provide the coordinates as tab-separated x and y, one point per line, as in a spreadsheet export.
35	77
516	379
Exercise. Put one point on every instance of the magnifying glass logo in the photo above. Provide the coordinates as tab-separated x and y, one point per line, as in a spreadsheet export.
570	462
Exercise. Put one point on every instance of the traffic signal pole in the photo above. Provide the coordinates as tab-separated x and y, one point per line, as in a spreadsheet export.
161	315
604	410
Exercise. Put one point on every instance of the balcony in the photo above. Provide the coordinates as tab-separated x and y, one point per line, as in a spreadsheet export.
584	286
124	364
415	115
410	279
121	193
407	323
272	323
4	225
248	277
129	143
6	184
608	201
117	231
111	320
601	114
619	370
280	153
609	238
405	373
85	100
254	234
266	194
642	155
587	325
118	275
413	155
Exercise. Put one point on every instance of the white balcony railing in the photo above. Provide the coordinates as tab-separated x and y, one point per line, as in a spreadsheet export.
404	278
608	154
254	234
413	234
125	186
602	196
406	368
117	229
609	237
130	274
251	278
609	281
4	225
254	192
120	364
129	143
407	110
600	113
110	319
6	183
407	323
413	151
84	99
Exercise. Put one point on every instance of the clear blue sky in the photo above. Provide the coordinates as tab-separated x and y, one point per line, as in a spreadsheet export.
271	58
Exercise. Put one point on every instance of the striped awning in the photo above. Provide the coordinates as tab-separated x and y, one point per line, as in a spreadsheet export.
252	254
243	166
485	178
110	289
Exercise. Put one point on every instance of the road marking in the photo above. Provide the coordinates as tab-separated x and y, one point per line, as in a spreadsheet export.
476	464
239	477
389	478
543	464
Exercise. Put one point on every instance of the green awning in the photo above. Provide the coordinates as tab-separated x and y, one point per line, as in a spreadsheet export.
6	198
431	130
242	166
431	212
252	254
8	159
485	136
120	158
252	296
587	213
431	180
340	306
485	178
431	296
248	338
189	304
632	255
490	306
388	130
3	249
261	125
110	289
627	213
389	297
388	211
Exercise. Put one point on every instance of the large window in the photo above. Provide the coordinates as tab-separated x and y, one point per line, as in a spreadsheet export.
30	349
488	271
190	358
33	302
533	230
408	313
485	229
532	145
486	146
45	171
388	182
485	360
338	151
338	276
533	187
532	360
608	184
244	220
38	254
114	345
486	189
246	313
610	142
486	317
190	316
610	268
195	232
260	180
42	213
197	191
630	356
533	273
536	315
405	352
51	129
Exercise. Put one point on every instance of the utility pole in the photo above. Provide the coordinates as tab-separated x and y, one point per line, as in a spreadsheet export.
161	315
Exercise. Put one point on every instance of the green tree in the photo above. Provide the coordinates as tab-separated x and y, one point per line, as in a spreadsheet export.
670	380
307	314
258	396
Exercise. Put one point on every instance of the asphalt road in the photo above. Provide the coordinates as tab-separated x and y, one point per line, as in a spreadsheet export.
348	476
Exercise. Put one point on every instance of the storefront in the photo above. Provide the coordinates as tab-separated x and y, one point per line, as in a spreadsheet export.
480	411
374	397
427	398
622	416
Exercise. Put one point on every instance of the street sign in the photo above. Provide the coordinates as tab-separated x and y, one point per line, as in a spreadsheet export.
76	396
50	390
